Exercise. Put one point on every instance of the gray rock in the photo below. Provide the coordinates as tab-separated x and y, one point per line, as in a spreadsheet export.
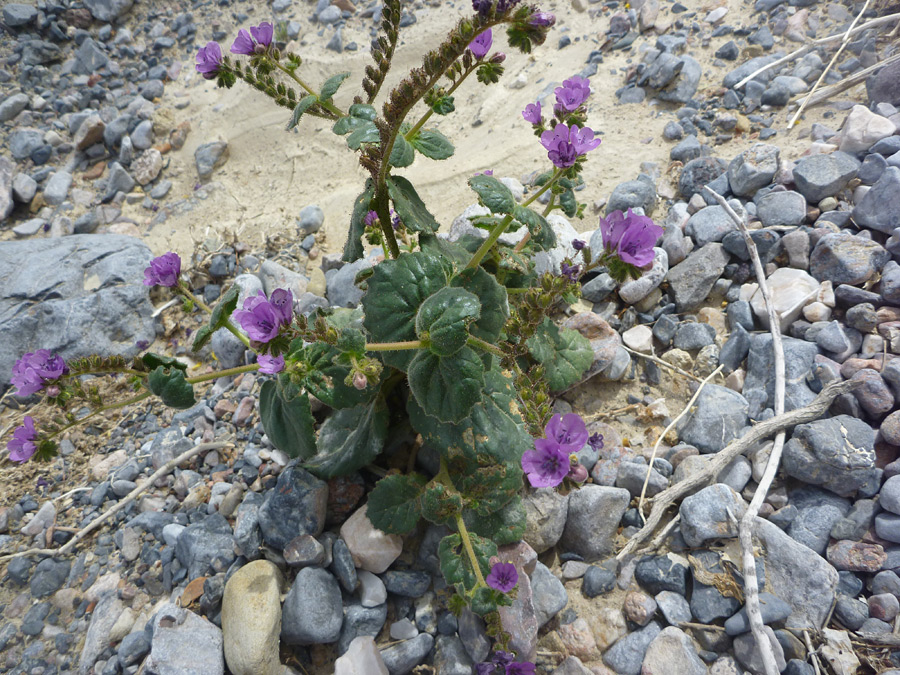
57	188
311	219
871	169
545	517
23	141
747	68
691	280
686	150
685	85
879	209
640	193
854	525
473	635
759	385
691	335
699	172
296	506
341	289
119	180
844	258
115	131
707	603
450	657
817	513
108	10
548	594
107	611
674	653
185	643
13	105
781	209
631	477
594	515
53	292
735	350
312	611
851	612
360	620
133	648
7	186
882	87
661	573
16	15
674	607
401	658
753	169
627	654
228	348
716	419
704	515
209	157
836	453
635	290
49	576
142	136
709	224
330	14
599	287
772	609
821	176
205	546
746	651
598	580
89	58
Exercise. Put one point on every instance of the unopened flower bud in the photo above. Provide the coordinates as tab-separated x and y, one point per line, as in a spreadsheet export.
360	381
578	473
542	19
499	57
53	391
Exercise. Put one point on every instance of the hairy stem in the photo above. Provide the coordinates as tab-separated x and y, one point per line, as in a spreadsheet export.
222	373
393	346
189	295
467	544
428	113
94	413
486	346
330	107
382	207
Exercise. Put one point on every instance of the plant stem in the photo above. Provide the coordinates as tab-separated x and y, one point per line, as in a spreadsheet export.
189	295
486	346
500	228
238	334
428	113
330	107
550	205
222	373
382	207
111	406
393	346
467	544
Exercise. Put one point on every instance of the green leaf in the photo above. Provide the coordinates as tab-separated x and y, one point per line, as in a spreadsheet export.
568	203
455	563
446	387
363	111
541	232
433	144
486	600
409	206
349	439
565	354
305	104
326	378
494	194
201	337
153	360
395	291
353	248
444	319
402	154
489	73
393	505
223	310
287	419
359	114
443	106
493	298
440	504
331	85
364	133
505	526
171	387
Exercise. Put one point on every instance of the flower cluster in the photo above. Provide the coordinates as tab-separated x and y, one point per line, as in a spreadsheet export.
550	462
572	94
256	41
629	236
566	144
35	370
504	663
164	270
262	317
23	446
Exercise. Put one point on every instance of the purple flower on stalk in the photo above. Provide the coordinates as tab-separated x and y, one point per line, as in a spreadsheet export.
578	245
570	272
270	364
23	446
542	19
163	271
566	144
630	236
243	43
568	431
532	113
209	60
263	34
573	93
596	442
481	45
370	219
36	369
612	228
503	577
283	301
547	464
521	668
259	318
499	659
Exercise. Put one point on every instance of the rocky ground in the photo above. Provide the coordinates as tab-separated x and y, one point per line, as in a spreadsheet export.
239	561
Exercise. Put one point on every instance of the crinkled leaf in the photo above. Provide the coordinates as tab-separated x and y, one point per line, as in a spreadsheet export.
446	387
363	111
349	439
505	526
445	317
402	154
223	310
393	505
450	251
171	387
493	298
353	249
541	233
302	106
409	206
433	144
287	419
494	194
331	85
359	114
440	503
395	291
564	353
364	133
568	203
444	105
201	337
455	563
352	341
326	378
153	360
486	600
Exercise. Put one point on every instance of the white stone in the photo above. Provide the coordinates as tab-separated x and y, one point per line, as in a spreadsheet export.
639	338
863	128
371	589
791	290
403	630
361	658
635	290
716	15
816	311
372	549
251	619
41	520
514	186
549	261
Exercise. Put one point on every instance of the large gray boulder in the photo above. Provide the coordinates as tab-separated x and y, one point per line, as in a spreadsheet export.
75	296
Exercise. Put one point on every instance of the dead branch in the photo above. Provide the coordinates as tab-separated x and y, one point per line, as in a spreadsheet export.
836	88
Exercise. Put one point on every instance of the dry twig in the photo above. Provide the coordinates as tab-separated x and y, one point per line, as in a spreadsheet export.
666	364
847	82
121	504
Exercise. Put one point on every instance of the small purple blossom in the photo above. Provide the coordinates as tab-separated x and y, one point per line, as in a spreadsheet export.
542	19
502	663
259	318
503	577
263	34
566	144
596	442
481	45
270	364
578	473
521	668
243	43
578	244
209	60
546	465
395	220
573	93
36	369
630	236
570	272
163	271
370	219
360	381
23	446
532	113
568	431
486	172
283	300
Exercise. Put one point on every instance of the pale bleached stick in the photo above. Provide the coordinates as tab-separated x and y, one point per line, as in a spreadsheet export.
745	530
851	81
723	458
121	504
831	63
666	364
667	430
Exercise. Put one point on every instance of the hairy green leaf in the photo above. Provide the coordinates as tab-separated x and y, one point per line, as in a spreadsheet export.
153	360
494	194
455	563
305	104
171	387
287	418
353	249
444	319
443	106
505	526
393	505
326	378
440	504
568	203
331	85
359	114
542	234
201	337
402	154
493	298
364	133
564	353
409	206
349	439
433	144
446	387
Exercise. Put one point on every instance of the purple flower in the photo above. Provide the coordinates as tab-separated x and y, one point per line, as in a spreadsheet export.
547	464
503	577
370	219
596	442
395	220
283	301
565	144
521	668
612	228
542	19
270	364
484	6
570	272
578	245
573	93
243	43
163	271
631	236
486	172
568	431
259	318
35	369
499	659
532	113
256	41
263	33
209	60
23	446
481	45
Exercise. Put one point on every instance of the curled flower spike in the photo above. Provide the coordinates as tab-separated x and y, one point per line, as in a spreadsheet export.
570	272
22	446
578	245
270	365
542	19
370	219
532	113
163	271
209	60
481	45
503	577
35	370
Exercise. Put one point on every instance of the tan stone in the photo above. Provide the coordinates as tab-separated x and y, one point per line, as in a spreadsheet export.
372	549
251	619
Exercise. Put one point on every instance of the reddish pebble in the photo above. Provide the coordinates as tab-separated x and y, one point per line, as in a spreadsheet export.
855	556
884	606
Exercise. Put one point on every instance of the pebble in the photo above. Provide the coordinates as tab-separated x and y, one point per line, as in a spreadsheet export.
251	619
312	611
